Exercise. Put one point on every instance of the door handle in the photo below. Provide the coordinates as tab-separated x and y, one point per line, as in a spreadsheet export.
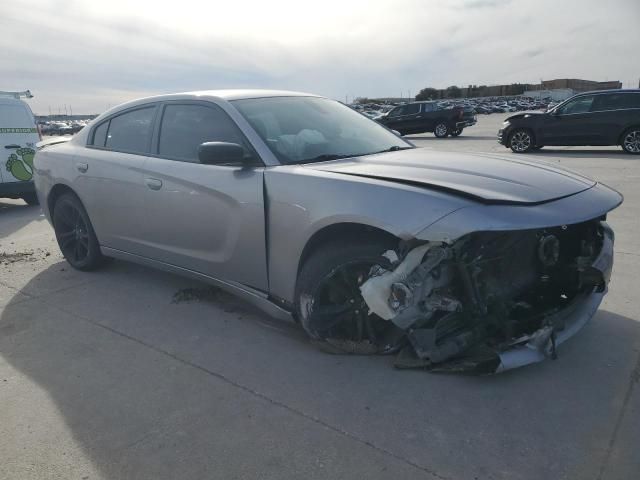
13	145
153	183
82	167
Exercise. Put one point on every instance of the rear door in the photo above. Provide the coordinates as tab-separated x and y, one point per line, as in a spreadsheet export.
206	218
109	177
18	138
612	114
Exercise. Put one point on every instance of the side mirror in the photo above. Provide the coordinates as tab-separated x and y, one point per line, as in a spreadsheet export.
220	153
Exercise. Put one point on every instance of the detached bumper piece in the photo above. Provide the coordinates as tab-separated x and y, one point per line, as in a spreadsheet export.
494	301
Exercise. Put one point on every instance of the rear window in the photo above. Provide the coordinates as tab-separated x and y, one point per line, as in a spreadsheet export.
613	101
131	131
15	116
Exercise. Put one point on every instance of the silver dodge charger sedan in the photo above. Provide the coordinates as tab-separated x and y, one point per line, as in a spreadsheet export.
313	212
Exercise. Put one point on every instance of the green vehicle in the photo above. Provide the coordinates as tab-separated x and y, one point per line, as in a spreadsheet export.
18	137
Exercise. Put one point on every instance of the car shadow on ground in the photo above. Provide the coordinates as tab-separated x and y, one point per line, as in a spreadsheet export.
15	214
155	378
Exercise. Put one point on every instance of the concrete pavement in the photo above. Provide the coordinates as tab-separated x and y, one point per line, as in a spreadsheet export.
119	375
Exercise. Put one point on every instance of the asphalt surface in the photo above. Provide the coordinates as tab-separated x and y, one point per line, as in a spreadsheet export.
125	373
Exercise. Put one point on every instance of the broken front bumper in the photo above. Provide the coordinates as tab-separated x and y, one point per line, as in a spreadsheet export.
566	323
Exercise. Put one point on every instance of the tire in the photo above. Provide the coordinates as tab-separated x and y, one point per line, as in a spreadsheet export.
329	305
441	129
521	141
75	235
30	198
630	142
456	132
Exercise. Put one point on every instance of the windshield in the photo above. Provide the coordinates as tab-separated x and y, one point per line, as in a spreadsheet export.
311	129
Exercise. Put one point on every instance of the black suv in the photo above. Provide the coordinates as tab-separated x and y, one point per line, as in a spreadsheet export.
419	117
609	117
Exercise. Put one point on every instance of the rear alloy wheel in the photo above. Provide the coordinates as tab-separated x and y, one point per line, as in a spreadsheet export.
330	306
441	130
74	233
456	132
521	141
631	141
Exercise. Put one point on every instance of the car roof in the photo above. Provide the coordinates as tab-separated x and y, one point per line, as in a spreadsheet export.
613	90
10	101
228	95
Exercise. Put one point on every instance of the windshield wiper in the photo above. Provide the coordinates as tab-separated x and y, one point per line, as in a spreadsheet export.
325	157
395	148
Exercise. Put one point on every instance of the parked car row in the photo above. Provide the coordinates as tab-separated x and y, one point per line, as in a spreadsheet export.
62	128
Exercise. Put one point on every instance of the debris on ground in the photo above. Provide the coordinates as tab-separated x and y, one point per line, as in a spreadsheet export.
26	256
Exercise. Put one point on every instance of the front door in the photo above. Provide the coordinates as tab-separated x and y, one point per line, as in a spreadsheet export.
205	218
570	124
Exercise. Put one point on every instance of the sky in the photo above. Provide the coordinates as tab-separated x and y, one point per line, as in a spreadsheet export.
89	55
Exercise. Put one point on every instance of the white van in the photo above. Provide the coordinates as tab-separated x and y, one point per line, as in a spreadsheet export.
18	137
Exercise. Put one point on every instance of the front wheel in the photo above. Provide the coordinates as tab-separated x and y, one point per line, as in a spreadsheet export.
521	141
631	141
441	130
74	233
456	132
330	306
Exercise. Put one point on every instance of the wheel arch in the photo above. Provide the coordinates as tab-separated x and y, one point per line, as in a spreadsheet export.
625	131
56	192
342	231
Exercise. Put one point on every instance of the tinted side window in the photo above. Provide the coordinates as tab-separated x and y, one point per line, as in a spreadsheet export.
412	108
633	100
395	112
185	127
130	132
100	134
613	101
428	107
579	105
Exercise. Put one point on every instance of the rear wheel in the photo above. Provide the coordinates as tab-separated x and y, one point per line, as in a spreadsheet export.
631	141
329	303
521	141
74	233
456	132
31	198
441	129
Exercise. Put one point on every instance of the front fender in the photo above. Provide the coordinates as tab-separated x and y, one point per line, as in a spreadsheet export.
301	201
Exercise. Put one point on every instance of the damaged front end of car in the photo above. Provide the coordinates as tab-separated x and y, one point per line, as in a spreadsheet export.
491	301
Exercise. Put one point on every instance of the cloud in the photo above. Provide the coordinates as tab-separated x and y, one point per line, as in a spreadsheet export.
92	54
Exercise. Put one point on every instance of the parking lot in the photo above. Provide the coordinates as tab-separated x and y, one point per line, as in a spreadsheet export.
131	373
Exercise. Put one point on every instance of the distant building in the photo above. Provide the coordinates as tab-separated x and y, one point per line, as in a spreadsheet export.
561	86
556	95
578	85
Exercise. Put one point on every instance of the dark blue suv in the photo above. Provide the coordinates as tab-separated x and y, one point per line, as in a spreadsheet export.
608	117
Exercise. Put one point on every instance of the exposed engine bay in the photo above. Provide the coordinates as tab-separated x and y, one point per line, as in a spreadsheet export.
463	305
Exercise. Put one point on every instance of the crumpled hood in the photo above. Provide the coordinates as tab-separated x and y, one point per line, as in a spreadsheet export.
486	178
